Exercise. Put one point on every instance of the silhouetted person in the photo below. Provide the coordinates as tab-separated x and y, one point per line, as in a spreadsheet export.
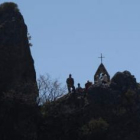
79	89
70	84
87	85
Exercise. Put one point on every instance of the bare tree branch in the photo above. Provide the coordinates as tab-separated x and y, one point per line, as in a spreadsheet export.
49	89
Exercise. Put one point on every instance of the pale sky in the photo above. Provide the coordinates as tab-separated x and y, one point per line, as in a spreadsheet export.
68	36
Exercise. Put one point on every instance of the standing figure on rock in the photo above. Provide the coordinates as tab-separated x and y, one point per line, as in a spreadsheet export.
79	89
87	85
70	84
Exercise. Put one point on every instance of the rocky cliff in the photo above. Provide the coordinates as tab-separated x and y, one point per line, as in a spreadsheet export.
18	87
16	63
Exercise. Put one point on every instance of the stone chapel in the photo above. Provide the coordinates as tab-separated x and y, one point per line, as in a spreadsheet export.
101	70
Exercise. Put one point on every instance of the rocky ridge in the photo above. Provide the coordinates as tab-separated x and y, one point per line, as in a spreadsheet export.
104	113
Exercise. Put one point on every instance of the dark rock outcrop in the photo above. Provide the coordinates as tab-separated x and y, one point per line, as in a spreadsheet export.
16	63
18	88
123	81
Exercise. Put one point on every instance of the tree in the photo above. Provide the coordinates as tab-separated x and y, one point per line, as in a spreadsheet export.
49	89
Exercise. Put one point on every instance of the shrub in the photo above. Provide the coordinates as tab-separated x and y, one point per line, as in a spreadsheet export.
95	129
130	97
